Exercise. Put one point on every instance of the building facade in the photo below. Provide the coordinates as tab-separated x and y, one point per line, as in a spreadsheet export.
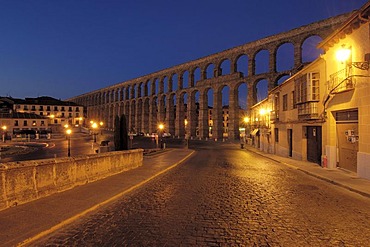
322	113
346	100
42	114
60	112
291	121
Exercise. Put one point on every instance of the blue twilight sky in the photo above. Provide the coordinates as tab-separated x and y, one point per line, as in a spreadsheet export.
68	47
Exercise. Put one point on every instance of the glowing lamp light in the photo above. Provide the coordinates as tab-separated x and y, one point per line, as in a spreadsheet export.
161	126
94	125
262	111
343	54
4	127
68	131
246	120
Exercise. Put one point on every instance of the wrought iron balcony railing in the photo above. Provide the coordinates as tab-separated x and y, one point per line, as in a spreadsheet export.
341	81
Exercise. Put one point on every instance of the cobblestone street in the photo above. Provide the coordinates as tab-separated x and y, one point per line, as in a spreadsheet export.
226	197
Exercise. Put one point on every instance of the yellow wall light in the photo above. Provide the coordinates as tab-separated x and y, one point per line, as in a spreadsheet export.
343	54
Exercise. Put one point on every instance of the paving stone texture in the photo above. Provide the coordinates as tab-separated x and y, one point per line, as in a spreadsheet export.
226	197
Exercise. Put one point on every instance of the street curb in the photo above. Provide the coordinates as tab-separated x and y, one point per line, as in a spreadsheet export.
93	208
315	175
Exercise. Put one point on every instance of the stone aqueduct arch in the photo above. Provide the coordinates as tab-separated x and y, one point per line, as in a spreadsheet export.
145	103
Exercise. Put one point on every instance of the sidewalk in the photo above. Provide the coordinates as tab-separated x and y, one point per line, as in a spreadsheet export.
32	220
337	176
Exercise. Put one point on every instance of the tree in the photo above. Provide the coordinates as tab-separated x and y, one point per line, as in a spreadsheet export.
123	133
117	134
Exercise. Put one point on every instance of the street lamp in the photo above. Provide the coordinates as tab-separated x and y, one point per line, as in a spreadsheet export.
69	132
344	55
160	127
94	127
186	133
4	132
101	127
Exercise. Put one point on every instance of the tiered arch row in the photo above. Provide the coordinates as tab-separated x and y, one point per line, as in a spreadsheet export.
181	97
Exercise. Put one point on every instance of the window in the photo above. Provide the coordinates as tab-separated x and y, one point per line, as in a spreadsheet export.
276	102
63	108
307	95
25	123
77	109
16	123
70	109
293	100
55	108
33	123
33	108
315	85
70	115
285	102
41	113
307	88
349	115
42	123
48	108
41	108
62	114
25	108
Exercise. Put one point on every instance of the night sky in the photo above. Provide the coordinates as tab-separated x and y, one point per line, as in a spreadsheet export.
66	48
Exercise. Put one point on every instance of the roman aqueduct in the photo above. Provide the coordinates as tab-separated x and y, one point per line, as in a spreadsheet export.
181	92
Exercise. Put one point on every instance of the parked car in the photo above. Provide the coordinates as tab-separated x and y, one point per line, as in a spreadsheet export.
166	135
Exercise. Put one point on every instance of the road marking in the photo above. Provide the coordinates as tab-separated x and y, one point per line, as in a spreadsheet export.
93	208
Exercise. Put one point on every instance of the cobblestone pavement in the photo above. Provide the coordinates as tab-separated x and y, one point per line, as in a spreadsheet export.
226	197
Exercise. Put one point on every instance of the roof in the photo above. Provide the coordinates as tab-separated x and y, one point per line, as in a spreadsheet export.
353	22
43	100
21	115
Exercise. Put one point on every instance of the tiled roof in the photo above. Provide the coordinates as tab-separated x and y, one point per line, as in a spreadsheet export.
21	115
358	18
43	100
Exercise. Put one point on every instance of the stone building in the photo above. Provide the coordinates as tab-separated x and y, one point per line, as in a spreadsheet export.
290	122
39	114
322	113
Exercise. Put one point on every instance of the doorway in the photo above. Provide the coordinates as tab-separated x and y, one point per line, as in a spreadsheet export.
314	144
347	134
290	142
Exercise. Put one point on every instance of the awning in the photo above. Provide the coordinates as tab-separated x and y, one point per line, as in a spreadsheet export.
255	132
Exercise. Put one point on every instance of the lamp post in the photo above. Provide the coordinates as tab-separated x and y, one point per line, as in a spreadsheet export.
101	127
246	137
4	132
94	127
186	133
69	132
160	127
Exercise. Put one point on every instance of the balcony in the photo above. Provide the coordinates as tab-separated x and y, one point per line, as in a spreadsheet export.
340	81
308	111
274	115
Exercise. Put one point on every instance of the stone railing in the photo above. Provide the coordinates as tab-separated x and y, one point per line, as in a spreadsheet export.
25	181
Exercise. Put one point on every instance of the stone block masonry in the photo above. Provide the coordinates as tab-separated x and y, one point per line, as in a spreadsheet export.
25	181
